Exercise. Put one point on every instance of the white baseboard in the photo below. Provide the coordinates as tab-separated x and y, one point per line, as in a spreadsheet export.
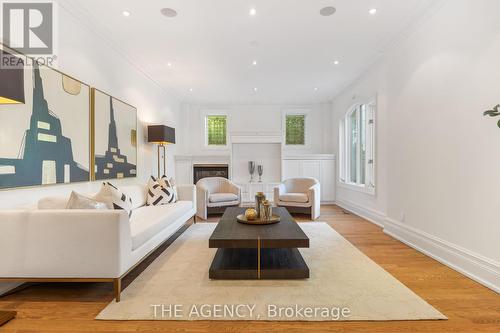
472	265
478	268
371	215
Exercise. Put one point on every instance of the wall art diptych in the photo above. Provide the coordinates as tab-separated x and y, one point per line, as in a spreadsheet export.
45	140
115	137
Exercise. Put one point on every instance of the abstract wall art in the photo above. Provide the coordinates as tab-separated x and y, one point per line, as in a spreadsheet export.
46	139
115	137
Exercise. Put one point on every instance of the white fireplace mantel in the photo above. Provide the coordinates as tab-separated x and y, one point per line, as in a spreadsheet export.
255	138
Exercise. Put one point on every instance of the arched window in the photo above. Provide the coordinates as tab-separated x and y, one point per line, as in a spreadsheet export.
357	148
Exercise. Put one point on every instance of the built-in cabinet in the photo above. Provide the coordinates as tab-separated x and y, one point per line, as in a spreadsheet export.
183	171
248	190
321	167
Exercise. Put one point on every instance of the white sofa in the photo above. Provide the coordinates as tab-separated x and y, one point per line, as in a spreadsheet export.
299	195
51	245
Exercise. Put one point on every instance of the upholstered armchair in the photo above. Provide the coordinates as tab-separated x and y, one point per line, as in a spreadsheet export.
215	194
299	195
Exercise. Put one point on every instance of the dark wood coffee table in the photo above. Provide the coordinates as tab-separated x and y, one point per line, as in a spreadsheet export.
258	251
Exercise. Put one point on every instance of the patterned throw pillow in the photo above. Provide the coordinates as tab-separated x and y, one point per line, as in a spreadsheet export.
160	192
114	198
169	182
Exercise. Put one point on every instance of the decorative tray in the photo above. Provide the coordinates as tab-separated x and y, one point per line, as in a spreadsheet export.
242	219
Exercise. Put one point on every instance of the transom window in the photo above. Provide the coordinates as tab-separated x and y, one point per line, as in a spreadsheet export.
357	147
295	129
216	130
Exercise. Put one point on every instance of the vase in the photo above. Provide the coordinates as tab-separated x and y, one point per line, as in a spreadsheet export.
260	171
259	198
251	169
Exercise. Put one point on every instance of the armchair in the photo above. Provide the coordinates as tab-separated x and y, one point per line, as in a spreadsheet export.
216	193
299	194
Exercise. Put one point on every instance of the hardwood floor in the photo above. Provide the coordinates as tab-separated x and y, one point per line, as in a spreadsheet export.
470	307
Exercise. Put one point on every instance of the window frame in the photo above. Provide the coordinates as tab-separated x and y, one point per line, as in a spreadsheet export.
217	113
307	129
345	140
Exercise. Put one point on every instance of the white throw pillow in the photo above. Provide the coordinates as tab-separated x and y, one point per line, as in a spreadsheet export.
53	202
160	192
114	198
78	201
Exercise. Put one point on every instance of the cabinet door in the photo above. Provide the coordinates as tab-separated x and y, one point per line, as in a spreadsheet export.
311	168
245	192
254	188
291	169
327	180
183	173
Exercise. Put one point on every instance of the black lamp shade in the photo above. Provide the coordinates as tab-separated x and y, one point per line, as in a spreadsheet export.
161	134
11	79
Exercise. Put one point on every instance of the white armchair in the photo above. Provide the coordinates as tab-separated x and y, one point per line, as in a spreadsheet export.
216	193
299	194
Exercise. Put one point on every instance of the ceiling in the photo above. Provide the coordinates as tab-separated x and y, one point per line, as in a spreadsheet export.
211	44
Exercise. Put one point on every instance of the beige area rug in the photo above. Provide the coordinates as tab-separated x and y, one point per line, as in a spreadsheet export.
344	284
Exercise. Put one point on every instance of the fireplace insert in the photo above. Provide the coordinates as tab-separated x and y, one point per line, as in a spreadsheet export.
209	170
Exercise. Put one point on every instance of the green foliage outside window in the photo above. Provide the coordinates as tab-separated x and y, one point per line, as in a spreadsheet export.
216	130
295	129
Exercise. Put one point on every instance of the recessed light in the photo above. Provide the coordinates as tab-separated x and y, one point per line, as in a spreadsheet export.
191	89
253	12
169	64
336	62
126	13
373	11
327	11
255	89
168	12
254	62
316	89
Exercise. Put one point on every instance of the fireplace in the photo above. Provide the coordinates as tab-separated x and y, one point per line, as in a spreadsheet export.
209	170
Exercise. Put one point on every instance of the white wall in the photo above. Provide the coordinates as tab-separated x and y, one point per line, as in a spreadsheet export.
438	157
86	56
255	118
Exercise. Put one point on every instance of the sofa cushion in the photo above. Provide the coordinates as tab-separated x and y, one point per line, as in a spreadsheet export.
137	193
169	182
222	197
159	192
147	221
114	198
294	197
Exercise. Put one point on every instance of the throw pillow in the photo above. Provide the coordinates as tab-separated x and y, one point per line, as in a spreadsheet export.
158	194
78	201
53	202
169	182
114	198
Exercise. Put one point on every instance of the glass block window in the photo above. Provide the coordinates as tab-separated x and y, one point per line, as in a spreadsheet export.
296	129
216	130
